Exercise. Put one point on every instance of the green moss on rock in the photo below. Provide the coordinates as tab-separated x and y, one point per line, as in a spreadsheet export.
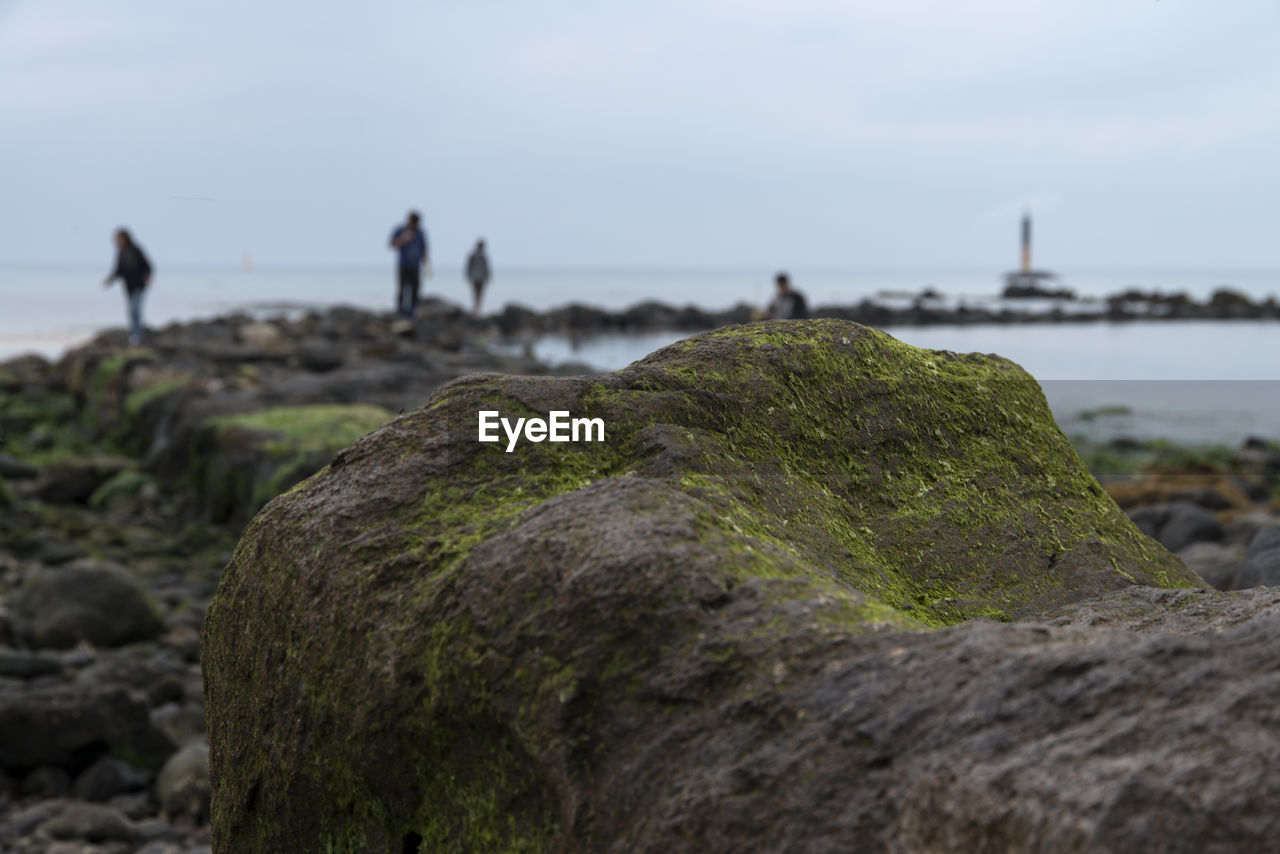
242	461
436	639
136	400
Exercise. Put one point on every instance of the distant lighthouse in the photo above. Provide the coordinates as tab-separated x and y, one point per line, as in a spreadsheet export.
1026	242
1029	282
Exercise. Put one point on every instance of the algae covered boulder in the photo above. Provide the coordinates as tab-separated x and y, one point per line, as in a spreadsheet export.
243	460
442	644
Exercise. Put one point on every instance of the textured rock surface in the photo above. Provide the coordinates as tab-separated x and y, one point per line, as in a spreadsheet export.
708	632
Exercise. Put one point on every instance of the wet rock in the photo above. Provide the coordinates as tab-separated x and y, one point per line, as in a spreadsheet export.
86	600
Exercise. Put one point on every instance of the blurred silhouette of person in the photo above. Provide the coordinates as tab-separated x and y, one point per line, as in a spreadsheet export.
478	273
134	269
411	241
788	304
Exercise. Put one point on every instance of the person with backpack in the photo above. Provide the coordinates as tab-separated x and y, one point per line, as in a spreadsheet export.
789	304
134	269
410	242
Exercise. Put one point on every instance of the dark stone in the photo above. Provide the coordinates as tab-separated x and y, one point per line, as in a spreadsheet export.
46	782
74	480
1260	568
70	726
320	356
91	822
87	600
1177	524
26	664
106	778
22	823
15	469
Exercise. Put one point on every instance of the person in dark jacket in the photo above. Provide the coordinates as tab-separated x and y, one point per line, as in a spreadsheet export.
478	273
134	269
410	241
789	304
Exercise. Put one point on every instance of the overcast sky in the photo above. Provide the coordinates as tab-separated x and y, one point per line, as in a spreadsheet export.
689	133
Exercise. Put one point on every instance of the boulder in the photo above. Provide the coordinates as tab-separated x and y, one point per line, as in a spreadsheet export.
85	600
708	632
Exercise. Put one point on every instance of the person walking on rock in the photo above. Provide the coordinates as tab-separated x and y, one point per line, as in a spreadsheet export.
478	273
134	269
411	242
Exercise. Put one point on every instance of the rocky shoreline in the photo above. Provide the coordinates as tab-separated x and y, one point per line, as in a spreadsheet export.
925	308
128	474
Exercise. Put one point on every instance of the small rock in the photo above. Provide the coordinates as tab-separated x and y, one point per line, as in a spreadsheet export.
320	356
47	782
183	785
21	823
74	480
1211	560
86	600
185	640
1177	524
160	847
1261	567
62	724
27	664
183	723
16	469
137	806
107	778
157	830
263	335
93	822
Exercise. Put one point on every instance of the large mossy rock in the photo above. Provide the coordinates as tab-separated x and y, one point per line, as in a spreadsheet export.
240	461
650	643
